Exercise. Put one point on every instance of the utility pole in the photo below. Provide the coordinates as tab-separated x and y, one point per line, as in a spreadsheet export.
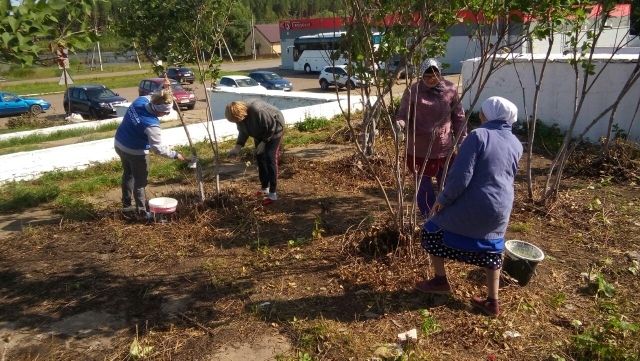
228	51
95	30
100	56
93	58
253	38
135	48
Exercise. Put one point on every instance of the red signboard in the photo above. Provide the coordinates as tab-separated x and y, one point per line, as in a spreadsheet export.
311	24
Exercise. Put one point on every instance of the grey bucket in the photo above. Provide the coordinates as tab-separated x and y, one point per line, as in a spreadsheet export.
521	259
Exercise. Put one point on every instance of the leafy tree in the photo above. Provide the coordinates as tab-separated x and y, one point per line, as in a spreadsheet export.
266	11
34	27
238	28
163	29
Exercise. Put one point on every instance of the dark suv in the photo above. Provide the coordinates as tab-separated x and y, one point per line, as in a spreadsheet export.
96	101
184	97
181	74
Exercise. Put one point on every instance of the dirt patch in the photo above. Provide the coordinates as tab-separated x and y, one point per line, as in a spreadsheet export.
264	348
18	222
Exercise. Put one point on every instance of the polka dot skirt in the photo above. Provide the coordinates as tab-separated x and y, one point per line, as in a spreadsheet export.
432	243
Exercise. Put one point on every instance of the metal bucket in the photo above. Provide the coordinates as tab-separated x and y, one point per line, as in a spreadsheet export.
521	259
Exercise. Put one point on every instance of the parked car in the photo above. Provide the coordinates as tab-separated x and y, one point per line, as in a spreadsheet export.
94	100
184	97
239	81
271	80
397	63
181	74
11	104
338	76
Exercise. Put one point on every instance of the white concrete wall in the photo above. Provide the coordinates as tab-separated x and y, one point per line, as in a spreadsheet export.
556	95
219	98
29	165
459	48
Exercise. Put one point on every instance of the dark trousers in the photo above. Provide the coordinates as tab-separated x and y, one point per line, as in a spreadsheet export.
268	165
427	194
135	170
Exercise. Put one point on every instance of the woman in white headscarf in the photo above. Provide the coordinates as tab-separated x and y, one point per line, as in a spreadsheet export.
471	214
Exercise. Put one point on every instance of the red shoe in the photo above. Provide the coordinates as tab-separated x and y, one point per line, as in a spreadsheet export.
261	193
267	201
486	306
434	286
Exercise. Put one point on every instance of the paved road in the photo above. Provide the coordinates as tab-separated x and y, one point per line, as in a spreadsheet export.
301	82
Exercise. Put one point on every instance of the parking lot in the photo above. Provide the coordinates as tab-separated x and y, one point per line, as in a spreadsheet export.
300	80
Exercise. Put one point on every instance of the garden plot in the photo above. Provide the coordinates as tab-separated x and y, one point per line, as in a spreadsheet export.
230	277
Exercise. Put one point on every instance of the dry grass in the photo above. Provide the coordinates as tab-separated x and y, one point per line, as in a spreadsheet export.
248	271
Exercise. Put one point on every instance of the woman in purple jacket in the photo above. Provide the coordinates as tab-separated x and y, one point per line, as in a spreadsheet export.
471	214
434	117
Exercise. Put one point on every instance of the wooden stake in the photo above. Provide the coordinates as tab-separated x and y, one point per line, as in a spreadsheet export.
193	149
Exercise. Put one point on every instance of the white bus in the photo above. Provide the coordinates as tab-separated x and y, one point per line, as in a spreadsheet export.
313	52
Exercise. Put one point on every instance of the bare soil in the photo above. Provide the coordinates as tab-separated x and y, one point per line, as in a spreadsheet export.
233	280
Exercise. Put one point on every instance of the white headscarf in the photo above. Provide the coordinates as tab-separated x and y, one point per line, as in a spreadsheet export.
161	108
499	108
428	63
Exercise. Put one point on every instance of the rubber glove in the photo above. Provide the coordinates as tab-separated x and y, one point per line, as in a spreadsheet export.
235	151
260	148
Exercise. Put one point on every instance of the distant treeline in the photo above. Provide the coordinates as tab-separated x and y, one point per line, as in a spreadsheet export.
268	11
263	11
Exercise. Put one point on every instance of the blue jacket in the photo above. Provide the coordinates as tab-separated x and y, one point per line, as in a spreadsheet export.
131	132
478	193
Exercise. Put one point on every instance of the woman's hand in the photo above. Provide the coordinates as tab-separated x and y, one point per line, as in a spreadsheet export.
437	207
235	151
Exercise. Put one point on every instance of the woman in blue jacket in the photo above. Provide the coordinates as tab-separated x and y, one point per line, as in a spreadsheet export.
138	134
470	216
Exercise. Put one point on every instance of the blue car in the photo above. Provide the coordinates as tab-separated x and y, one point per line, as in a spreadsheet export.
11	104
271	80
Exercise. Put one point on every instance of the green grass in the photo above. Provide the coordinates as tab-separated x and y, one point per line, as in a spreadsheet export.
610	340
18	195
35	142
312	123
58	135
312	130
74	208
64	188
17	72
113	82
520	227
